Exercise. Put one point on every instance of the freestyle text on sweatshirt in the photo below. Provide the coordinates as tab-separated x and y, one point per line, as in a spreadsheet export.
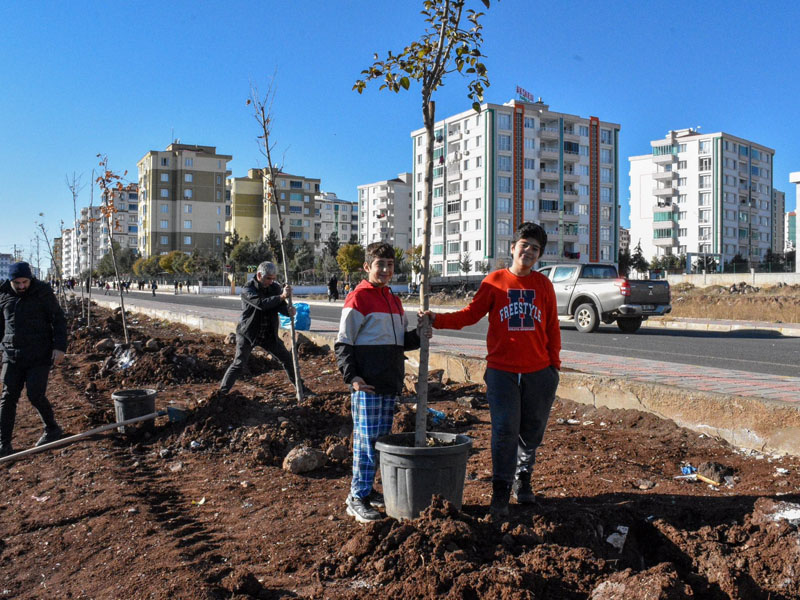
524	334
372	338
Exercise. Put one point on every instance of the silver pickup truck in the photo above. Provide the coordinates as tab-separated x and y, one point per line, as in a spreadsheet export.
595	293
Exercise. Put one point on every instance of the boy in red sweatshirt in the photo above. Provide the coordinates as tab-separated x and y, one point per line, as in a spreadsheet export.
370	354
524	342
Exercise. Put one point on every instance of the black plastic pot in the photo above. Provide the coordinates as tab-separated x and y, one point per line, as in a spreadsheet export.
412	476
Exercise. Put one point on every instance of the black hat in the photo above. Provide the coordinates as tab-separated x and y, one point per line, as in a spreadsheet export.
20	269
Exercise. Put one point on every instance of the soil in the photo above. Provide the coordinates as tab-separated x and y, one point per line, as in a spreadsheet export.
204	509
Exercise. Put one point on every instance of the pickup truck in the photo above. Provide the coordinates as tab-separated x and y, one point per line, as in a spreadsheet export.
595	293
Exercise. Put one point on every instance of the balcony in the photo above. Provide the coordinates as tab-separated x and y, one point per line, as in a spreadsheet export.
571	135
548	132
665	159
571	156
666	242
454	136
454	169
665	176
570	193
665	191
454	195
548	152
548	174
548	193
571	176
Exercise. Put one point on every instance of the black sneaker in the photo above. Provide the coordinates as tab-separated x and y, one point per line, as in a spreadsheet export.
361	510
50	435
375	499
6	450
501	494
523	493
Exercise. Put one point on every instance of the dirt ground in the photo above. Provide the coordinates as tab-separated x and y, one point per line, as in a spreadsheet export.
203	508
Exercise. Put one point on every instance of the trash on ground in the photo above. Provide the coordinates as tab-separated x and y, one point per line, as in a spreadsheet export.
617	539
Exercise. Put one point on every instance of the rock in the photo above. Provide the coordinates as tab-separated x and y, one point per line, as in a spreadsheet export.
303	459
338	452
104	345
644	484
230	339
661	582
468	402
175	467
152	345
165	453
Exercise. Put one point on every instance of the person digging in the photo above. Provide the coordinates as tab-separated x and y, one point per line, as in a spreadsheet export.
262	299
34	338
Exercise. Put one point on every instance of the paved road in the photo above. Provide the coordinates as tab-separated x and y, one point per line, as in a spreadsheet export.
755	351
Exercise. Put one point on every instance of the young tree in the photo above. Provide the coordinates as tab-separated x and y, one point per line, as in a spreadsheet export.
303	259
400	264
74	186
464	263
109	183
446	45
483	266
350	259
262	109
638	261
414	259
332	244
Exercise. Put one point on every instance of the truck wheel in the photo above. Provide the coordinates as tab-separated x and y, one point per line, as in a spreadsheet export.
629	324
586	319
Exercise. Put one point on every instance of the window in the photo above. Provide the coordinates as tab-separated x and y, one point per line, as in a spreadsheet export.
165	177
530	163
453	247
503	205
704	216
583	131
478	161
504	142
165	208
189	162
503	163
605	175
743	150
163	240
437	210
187	194
605	136
583	189
681	215
164	162
477	245
438	249
477	224
704	199
605	194
530	184
188	177
187	208
295	185
477	203
530	143
164	192
571	148
605	155
563	273
503	121
187	240
530	123
503	227
682	232
704	146
163	223
504	185
705	163
681	164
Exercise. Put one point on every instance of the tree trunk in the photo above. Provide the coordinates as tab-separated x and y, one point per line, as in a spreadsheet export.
420	429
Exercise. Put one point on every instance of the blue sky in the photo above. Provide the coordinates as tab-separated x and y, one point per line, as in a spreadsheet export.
122	78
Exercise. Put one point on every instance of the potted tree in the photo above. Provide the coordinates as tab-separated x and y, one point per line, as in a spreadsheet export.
414	467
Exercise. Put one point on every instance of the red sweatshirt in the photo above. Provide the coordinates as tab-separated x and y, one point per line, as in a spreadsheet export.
524	334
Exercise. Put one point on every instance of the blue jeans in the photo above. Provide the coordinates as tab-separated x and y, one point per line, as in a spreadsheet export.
520	405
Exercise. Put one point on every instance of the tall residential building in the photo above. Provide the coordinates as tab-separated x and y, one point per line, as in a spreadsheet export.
334	215
705	193
624	239
125	220
296	203
384	210
69	253
182	199
5	264
512	163
91	234
778	212
247	205
790	231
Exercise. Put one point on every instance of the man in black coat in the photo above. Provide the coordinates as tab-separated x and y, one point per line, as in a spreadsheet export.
262	299
34	337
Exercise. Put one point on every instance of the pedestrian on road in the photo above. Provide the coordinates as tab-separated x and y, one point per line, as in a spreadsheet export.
176	287
369	352
34	337
153	286
262	299
333	289
524	344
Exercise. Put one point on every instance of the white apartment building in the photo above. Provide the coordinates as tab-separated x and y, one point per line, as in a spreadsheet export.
5	264
384	212
513	163
705	193
125	220
778	229
790	231
334	215
69	253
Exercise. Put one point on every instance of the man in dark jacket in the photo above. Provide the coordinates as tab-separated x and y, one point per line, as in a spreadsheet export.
262	299
34	337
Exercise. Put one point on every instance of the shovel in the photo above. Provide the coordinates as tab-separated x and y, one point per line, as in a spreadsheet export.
175	415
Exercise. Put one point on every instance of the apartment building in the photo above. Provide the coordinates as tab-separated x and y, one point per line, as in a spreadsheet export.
513	163
6	261
124	221
247	205
334	215
384	212
624	239
778	213
705	193
295	200
182	199
69	253
57	257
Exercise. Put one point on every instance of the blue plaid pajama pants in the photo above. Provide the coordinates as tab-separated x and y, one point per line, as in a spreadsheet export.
372	417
